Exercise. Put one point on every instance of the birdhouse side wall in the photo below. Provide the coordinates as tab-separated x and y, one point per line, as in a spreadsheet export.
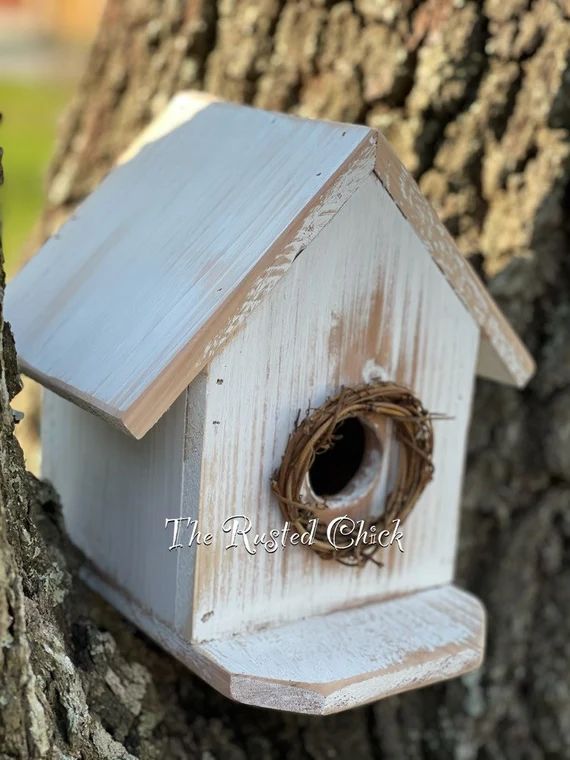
117	493
364	301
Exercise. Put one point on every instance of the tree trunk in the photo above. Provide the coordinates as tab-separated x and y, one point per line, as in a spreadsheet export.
475	97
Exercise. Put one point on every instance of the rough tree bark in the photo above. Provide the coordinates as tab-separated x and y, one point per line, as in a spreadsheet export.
475	97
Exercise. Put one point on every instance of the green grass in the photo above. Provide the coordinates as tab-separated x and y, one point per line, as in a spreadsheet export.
27	133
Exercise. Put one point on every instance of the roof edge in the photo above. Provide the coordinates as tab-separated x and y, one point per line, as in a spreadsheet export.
502	357
109	414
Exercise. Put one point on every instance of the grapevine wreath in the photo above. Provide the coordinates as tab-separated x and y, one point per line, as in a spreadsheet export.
318	431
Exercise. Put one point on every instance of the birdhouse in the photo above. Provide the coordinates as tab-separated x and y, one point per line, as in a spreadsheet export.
259	345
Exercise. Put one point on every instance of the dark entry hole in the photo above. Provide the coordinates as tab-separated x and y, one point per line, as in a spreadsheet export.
333	470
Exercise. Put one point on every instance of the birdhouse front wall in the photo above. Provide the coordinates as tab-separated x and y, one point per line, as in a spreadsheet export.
363	301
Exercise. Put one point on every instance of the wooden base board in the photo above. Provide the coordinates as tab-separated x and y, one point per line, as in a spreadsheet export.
330	663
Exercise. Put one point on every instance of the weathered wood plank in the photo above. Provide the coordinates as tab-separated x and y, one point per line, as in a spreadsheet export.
333	662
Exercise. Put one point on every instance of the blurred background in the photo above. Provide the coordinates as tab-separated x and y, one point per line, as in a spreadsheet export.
43	45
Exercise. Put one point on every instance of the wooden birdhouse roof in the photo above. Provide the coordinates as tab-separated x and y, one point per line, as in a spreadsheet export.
128	302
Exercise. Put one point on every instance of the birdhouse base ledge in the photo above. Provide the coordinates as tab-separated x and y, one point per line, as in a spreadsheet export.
330	663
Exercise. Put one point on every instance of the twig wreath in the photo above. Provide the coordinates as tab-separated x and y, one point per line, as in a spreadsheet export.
316	434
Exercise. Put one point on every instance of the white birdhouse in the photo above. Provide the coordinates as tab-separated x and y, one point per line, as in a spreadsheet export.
259	347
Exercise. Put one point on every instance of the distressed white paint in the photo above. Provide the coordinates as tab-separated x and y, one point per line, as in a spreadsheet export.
329	663
191	485
364	290
124	306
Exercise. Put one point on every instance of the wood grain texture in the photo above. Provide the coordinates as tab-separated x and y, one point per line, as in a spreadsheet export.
364	299
335	662
330	663
503	355
157	269
182	107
